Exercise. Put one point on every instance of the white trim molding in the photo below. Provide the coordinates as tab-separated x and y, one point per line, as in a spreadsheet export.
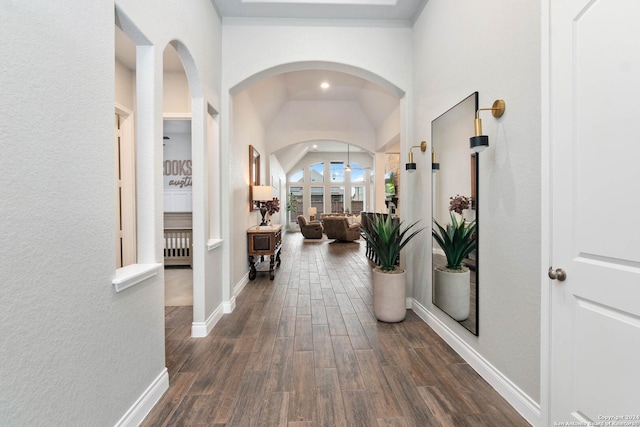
141	408
214	243
133	274
202	329
239	287
521	402
229	306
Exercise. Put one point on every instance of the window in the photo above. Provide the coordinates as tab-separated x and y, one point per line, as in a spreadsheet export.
337	199
297	176
357	199
357	172
317	172
389	185
295	197
317	199
337	172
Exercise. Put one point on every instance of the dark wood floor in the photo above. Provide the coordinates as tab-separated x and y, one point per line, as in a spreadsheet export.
305	350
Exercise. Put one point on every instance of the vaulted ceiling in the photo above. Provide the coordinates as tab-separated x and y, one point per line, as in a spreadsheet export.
294	108
400	11
294	102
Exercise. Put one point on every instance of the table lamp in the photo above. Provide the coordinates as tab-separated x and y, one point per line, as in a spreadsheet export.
262	194
312	213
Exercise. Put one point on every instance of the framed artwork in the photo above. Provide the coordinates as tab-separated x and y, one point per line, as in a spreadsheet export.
254	174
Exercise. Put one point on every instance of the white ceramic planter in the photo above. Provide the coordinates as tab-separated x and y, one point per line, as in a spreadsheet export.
451	292
389	295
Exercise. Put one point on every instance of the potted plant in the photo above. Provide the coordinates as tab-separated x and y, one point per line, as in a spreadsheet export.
386	239
451	286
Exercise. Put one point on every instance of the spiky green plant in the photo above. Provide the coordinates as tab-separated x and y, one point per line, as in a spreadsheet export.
387	239
456	240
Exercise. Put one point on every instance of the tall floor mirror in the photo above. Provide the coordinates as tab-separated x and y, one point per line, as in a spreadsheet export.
455	173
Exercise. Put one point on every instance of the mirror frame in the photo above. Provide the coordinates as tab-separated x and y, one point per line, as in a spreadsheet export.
254	175
472	322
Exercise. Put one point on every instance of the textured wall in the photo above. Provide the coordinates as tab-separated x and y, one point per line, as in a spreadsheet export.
73	351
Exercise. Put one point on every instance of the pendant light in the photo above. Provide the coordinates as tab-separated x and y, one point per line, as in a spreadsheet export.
348	166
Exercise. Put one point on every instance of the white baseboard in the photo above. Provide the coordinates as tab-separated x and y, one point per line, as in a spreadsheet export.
240	286
146	402
229	306
202	329
521	402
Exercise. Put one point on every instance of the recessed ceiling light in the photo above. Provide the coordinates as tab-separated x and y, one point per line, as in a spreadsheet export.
314	146
324	85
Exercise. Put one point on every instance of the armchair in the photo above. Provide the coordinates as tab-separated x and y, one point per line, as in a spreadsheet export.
338	228
310	230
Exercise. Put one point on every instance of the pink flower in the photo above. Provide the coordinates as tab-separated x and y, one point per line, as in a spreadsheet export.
459	203
273	206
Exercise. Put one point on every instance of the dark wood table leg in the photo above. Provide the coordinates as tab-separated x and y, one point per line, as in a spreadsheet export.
272	263
252	268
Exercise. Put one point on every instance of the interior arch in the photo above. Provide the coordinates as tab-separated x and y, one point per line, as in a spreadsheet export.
318	65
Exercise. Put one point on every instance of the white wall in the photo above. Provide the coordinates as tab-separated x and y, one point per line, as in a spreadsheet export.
247	130
196	31
338	120
176	94
125	86
492	47
278	179
75	352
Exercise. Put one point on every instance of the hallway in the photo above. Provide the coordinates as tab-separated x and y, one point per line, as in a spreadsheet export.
305	350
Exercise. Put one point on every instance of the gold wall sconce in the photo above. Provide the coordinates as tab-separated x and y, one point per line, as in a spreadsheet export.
411	166
479	142
435	166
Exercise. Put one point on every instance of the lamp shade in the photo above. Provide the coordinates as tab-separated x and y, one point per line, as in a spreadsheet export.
262	193
411	167
312	211
479	143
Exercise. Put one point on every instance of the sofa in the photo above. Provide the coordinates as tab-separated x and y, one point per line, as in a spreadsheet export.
340	228
310	230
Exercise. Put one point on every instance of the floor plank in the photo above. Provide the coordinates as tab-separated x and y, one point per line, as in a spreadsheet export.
304	350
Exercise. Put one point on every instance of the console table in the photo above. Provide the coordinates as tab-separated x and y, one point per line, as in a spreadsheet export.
261	242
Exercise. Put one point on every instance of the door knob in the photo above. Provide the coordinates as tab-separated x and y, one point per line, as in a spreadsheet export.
557	274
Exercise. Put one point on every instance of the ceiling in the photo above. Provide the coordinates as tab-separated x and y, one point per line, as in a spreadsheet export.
400	11
293	107
295	99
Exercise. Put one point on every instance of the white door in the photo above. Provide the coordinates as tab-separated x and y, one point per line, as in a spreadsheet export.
594	124
125	189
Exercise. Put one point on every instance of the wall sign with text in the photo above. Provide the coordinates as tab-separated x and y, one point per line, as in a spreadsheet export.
179	171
